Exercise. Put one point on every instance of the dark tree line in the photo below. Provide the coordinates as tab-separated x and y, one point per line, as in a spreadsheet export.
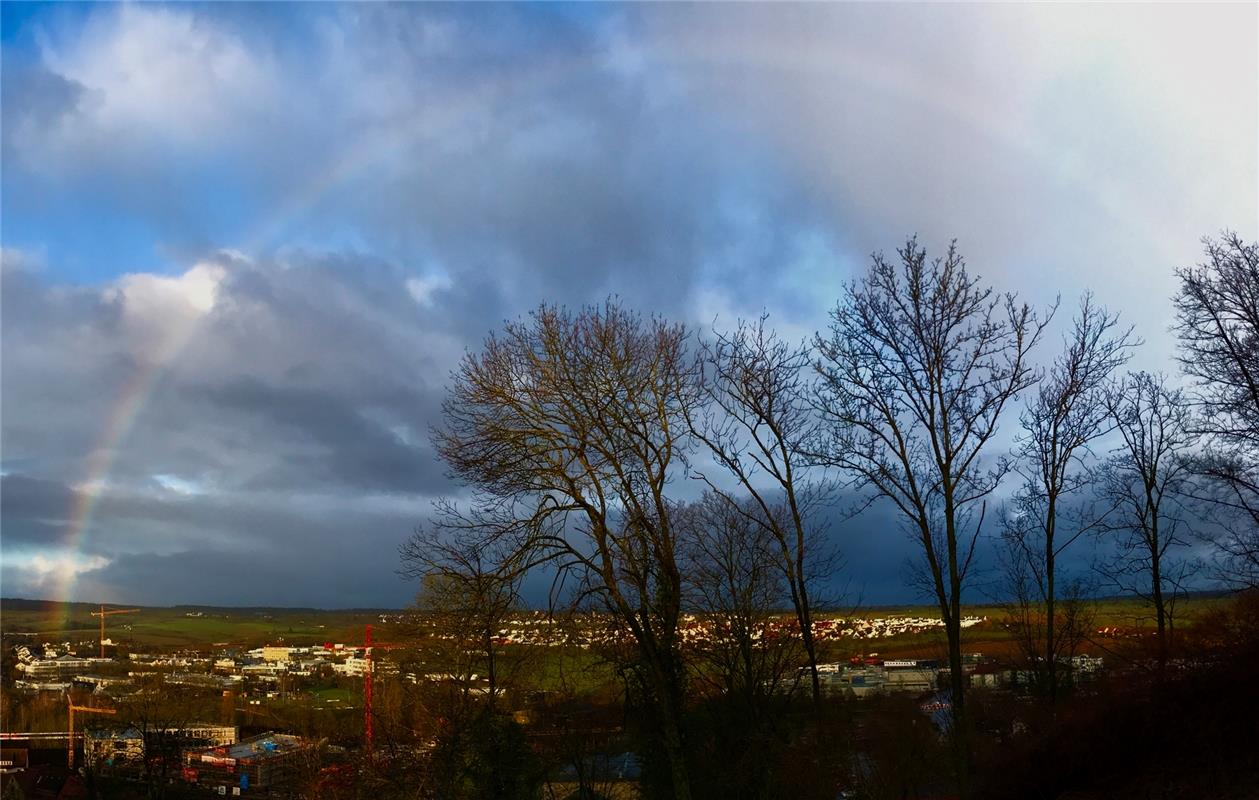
576	433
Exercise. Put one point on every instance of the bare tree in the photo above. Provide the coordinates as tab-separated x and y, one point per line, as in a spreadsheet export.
466	596
734	579
1148	481
1217	319
1067	412
1026	620
569	427
919	362
746	662
756	425
162	714
468	593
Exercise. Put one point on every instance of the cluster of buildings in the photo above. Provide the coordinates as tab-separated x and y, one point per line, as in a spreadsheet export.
211	756
273	662
52	667
268	761
121	748
699	629
883	627
265	670
540	629
864	676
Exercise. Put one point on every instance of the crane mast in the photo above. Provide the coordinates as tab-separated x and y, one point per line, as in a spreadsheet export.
70	739
103	613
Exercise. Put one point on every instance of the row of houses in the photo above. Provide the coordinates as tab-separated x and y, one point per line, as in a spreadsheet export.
542	630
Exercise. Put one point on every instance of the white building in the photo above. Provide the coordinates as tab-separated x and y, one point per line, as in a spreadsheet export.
352	666
46	669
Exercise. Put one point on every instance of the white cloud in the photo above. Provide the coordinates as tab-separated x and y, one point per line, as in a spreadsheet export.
161	312
48	570
191	294
161	73
423	289
178	485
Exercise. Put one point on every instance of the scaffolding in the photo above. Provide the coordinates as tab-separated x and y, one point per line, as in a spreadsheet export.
266	761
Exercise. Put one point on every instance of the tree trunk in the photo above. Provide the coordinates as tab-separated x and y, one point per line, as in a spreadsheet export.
810	647
1160	610
957	692
669	720
1051	656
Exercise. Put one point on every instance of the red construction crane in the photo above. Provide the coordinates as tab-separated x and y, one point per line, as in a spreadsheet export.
368	675
367	689
103	613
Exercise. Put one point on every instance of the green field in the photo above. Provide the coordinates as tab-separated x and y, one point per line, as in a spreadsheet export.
333	696
172	627
1107	611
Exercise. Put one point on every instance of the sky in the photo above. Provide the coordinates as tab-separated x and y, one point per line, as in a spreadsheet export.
244	245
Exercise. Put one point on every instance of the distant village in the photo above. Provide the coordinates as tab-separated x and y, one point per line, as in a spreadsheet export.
215	756
57	667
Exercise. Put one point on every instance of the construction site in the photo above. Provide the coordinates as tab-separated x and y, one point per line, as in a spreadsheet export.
266	761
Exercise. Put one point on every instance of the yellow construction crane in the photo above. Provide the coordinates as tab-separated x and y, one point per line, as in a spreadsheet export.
70	739
103	613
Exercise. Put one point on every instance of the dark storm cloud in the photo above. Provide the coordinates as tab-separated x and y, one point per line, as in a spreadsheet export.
35	510
361	454
149	542
343	377
240	404
336	572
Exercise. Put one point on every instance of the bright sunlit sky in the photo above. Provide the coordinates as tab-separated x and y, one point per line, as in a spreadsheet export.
243	245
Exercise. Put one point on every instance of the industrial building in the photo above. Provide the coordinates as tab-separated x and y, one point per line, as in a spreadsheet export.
203	680
875	675
911	676
43	686
268	761
105	684
122	747
105	747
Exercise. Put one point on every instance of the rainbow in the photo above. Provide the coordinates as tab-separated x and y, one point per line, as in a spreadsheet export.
132	400
135	396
